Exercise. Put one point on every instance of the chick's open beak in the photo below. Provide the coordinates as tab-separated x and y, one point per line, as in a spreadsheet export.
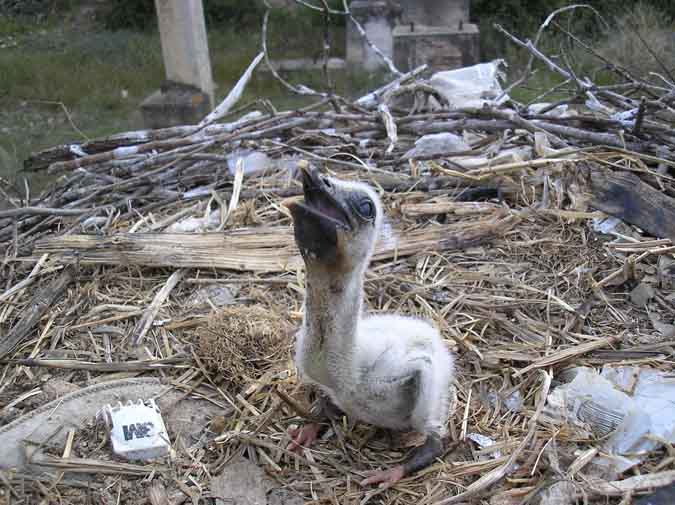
319	200
317	218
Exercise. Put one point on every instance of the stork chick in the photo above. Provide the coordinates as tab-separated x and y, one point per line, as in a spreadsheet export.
387	370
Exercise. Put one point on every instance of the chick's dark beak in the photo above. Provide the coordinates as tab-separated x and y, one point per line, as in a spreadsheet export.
310	179
318	218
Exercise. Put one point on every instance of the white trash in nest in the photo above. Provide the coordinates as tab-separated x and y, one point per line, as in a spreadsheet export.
253	162
137	430
196	224
629	408
484	442
606	225
473	86
437	144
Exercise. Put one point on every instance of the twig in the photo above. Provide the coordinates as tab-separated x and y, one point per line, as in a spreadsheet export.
27	281
46	211
39	305
300	89
326	46
639	117
390	126
371	100
127	366
528	69
67	113
390	64
651	51
295	405
324	8
490	479
566	354
151	312
233	96
86	465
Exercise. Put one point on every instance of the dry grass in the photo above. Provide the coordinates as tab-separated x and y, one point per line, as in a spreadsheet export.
240	343
504	306
519	281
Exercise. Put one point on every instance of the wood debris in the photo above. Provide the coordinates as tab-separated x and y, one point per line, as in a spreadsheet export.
509	247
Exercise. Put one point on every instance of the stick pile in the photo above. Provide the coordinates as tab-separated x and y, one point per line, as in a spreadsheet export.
546	244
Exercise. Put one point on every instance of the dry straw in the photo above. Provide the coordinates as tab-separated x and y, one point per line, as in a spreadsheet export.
499	246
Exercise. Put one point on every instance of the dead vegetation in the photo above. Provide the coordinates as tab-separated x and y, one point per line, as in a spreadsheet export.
175	276
240	343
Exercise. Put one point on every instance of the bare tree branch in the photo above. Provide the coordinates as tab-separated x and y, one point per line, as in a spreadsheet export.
300	89
390	64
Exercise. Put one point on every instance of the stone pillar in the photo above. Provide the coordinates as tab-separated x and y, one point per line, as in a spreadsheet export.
187	95
376	18
184	45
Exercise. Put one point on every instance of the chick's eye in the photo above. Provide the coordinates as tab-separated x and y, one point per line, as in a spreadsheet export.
366	208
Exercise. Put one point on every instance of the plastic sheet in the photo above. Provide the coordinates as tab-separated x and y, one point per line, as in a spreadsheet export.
630	408
472	86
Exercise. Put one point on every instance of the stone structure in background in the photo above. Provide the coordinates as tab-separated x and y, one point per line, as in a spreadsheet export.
413	32
378	19
187	94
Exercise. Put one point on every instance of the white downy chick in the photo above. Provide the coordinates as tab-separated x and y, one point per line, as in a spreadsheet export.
387	370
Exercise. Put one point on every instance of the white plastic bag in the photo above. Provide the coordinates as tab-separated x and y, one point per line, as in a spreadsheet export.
471	86
628	407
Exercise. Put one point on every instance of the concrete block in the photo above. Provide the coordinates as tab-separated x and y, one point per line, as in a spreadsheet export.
175	104
440	48
447	13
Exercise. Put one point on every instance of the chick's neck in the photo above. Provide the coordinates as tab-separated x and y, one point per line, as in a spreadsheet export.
333	305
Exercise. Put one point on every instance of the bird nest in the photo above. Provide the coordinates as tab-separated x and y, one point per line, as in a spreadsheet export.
152	269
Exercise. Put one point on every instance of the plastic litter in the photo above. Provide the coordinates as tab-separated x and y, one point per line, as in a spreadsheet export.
606	225
437	144
484	442
512	403
254	162
137	430
630	408
194	224
473	86
219	296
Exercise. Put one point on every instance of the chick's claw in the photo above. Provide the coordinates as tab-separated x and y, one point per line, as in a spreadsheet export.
303	436
385	477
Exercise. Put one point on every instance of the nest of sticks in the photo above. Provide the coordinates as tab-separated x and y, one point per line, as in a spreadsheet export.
546	246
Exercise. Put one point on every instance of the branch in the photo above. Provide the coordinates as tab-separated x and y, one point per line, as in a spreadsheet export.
325	8
326	45
233	96
371	100
528	69
373	47
651	51
301	89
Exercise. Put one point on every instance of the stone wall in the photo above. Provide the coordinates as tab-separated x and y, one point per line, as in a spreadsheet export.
446	13
440	48
412	33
